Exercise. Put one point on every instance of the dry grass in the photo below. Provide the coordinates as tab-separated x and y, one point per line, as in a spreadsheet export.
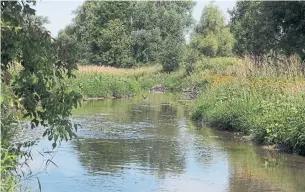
288	67
119	71
295	88
284	74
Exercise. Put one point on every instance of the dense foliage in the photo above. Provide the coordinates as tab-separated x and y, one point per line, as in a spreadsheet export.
126	34
211	37
271	110
39	85
36	90
263	97
261	27
121	34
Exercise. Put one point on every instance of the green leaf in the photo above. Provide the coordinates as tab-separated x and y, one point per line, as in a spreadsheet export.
45	132
54	145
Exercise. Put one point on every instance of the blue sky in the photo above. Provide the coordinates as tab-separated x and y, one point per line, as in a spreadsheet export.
60	14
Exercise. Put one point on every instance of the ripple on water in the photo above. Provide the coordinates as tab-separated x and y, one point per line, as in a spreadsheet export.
98	127
131	146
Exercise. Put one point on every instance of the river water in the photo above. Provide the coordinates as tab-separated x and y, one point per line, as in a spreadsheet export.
152	145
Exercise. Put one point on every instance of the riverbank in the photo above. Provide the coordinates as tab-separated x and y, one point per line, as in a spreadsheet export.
265	102
154	138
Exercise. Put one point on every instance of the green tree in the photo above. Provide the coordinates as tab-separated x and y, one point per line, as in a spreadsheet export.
260	27
69	39
38	90
211	20
145	34
146	45
175	22
115	45
207	45
91	19
172	55
211	37
250	39
140	28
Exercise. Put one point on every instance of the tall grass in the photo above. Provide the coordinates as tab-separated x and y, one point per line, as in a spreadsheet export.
99	81
188	77
262	97
264	66
265	100
104	85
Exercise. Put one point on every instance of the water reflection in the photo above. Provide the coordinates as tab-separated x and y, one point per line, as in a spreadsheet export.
145	138
119	154
255	169
151	145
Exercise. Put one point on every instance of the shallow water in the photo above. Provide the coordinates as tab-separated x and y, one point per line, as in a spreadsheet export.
151	145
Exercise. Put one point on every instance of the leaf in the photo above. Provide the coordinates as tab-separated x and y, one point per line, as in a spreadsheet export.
45	132
55	138
54	145
49	160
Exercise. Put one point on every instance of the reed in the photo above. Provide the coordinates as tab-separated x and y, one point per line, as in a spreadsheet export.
261	97
281	66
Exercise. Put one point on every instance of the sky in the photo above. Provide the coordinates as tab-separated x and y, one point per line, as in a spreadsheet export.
59	13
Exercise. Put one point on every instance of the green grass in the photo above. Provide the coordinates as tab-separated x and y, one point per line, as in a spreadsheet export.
94	81
264	101
171	81
104	85
270	116
188	76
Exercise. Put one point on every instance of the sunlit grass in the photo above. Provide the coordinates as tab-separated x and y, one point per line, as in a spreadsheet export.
119	71
265	100
103	81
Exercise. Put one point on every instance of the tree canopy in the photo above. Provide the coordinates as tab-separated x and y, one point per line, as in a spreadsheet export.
39	89
211	36
121	34
260	27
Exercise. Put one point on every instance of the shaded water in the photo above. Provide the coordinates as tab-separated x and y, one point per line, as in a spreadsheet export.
151	145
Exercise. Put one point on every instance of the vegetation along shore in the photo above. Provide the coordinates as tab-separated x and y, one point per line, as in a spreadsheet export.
241	80
245	75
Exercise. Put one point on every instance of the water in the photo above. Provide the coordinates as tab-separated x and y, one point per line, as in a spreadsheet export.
151	145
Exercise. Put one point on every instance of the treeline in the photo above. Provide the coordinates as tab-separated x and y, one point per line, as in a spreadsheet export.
269	26
126	34
122	34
